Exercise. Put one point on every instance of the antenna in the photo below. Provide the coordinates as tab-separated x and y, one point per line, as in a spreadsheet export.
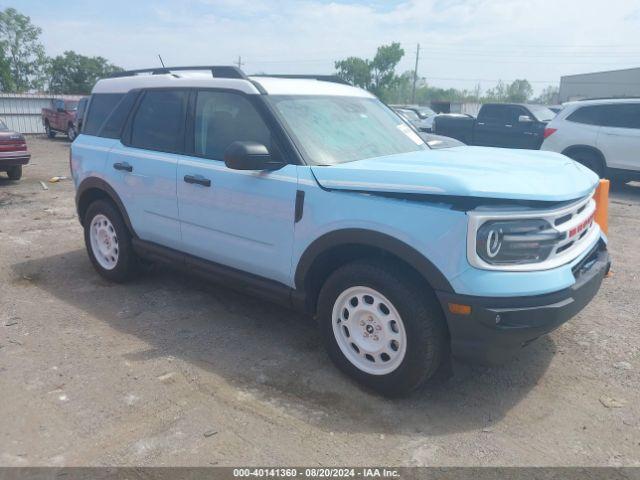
161	62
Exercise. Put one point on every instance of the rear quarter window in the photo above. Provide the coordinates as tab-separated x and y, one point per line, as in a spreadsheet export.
589	115
100	107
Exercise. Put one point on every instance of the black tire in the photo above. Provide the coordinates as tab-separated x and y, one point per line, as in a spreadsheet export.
126	266
47	129
71	133
590	160
419	310
15	173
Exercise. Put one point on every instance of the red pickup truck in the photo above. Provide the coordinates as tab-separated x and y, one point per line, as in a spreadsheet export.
60	116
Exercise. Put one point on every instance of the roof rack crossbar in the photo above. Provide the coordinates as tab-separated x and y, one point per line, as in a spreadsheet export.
324	78
217	71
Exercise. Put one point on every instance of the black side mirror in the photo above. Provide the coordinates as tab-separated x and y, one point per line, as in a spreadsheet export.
249	156
60	109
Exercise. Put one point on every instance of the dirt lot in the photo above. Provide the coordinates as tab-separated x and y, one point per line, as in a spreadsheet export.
169	370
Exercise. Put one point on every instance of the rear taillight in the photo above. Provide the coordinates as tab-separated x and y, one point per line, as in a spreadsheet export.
549	131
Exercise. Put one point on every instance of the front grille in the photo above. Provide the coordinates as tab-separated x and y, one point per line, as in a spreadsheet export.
575	225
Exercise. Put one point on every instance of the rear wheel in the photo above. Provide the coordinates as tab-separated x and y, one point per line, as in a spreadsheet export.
590	160
108	242
15	173
381	327
47	128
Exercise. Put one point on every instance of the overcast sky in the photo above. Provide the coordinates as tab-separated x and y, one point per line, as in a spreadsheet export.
463	42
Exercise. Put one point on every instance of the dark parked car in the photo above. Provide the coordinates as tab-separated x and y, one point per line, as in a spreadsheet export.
509	125
13	152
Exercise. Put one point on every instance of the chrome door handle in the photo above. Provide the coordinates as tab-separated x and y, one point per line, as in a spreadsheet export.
197	179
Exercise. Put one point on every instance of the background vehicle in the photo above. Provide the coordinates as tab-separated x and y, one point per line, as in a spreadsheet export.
79	116
603	135
315	195
60	117
13	152
507	125
439	141
425	115
412	117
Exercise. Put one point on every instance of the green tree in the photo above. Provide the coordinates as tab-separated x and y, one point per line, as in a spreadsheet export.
519	91
354	70
383	67
548	96
23	52
377	75
75	73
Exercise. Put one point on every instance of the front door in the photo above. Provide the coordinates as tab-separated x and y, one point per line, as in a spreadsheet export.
240	219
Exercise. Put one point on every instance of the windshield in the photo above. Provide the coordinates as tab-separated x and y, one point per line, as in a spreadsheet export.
543	114
336	129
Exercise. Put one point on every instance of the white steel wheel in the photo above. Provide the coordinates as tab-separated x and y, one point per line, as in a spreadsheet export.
369	330
104	242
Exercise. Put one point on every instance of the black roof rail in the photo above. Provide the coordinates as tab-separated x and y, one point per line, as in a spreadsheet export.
324	78
217	71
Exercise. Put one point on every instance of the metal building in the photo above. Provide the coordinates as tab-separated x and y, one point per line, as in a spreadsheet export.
21	111
611	84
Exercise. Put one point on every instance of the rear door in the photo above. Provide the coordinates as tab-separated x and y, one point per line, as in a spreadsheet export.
240	219
142	167
490	127
619	135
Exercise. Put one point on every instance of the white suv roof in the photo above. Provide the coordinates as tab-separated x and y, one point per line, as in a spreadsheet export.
271	85
600	101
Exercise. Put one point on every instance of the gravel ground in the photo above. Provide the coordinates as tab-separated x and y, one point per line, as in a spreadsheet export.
169	370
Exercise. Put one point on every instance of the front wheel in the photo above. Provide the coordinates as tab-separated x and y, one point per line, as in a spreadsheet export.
71	133
108	242
382	326
15	173
47	128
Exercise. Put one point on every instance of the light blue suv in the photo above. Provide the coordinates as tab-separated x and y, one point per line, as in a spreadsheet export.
316	195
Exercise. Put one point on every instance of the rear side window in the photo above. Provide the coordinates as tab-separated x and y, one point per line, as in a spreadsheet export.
624	115
159	121
100	107
589	115
112	127
493	113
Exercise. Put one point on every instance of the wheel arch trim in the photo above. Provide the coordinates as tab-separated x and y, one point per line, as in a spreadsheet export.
370	238
96	183
589	148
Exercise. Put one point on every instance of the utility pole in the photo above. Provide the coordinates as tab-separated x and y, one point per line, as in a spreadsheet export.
415	76
240	62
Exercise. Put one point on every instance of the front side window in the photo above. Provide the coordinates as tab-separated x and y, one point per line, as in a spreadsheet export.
158	123
223	118
337	129
624	115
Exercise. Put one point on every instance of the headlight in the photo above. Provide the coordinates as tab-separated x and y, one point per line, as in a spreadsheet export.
516	242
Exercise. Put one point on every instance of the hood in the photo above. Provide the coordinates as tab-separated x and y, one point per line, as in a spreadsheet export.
495	173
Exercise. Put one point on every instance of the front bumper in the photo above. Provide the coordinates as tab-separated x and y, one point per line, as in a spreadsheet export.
498	327
13	159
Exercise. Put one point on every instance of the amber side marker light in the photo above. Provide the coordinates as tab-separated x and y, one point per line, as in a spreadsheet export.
460	309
